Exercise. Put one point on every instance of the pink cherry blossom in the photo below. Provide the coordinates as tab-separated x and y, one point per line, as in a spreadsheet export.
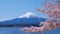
53	20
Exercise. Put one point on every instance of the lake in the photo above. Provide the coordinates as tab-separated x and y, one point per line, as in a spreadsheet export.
18	30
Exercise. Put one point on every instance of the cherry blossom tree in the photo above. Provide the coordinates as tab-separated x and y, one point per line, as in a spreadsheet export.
53	18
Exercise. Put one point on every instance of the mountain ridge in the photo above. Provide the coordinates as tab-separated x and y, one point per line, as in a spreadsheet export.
28	19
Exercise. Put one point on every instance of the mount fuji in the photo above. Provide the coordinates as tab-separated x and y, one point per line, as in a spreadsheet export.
28	19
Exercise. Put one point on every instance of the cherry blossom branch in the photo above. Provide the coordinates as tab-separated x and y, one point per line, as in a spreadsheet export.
53	20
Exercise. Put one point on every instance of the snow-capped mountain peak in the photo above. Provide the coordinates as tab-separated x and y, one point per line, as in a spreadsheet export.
27	15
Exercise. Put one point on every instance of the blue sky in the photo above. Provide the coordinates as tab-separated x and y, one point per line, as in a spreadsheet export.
10	9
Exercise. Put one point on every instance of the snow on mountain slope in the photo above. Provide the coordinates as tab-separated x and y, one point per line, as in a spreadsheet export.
28	15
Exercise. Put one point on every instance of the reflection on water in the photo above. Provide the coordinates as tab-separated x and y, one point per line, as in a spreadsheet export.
18	30
13	30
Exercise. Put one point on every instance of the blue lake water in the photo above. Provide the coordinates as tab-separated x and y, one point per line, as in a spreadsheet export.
18	30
